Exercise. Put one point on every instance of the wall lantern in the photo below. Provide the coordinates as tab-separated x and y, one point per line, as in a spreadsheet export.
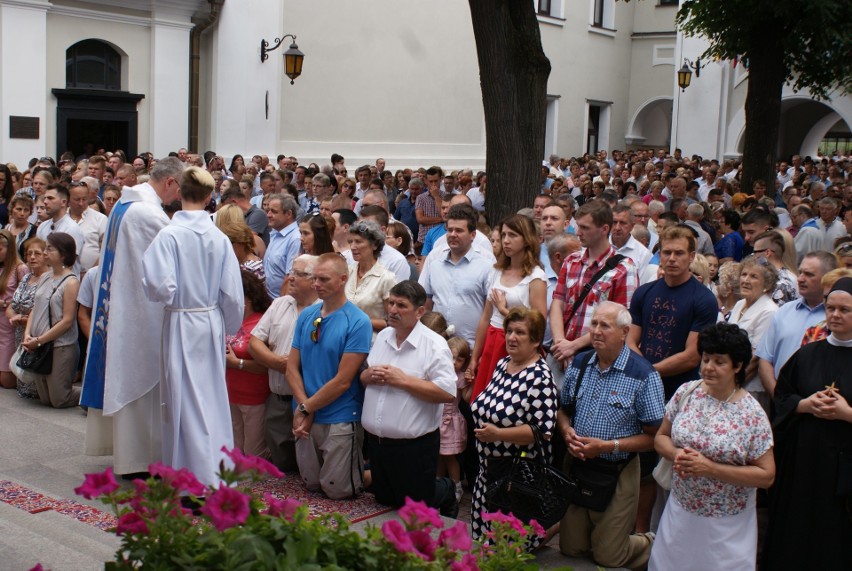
684	74
293	58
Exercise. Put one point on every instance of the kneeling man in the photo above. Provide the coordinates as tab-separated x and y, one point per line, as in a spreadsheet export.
614	402
409	377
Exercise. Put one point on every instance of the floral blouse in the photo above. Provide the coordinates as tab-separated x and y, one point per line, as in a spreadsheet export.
22	302
730	433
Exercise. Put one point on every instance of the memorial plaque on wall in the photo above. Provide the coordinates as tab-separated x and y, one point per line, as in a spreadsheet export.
23	127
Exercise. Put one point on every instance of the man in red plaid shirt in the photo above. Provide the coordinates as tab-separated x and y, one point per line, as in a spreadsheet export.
571	331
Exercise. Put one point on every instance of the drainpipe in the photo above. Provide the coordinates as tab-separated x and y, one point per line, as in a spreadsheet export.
195	70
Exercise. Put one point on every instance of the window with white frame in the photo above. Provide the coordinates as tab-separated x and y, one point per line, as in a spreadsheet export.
602	14
598	115
550	8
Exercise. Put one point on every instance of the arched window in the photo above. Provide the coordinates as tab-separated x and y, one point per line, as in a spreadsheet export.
92	64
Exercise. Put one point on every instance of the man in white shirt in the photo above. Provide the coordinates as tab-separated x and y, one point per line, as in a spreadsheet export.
458	280
56	207
409	377
269	345
92	224
624	243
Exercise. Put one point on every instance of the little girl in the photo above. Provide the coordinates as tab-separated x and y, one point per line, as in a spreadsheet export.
453	425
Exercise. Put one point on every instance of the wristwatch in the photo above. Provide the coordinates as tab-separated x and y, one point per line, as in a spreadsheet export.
302	409
615	446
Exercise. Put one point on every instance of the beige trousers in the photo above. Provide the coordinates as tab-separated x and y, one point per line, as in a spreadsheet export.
608	536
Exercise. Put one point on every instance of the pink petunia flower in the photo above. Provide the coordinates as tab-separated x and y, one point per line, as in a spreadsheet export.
97	484
244	463
37	567
509	519
226	507
456	538
397	535
181	480
417	515
467	563
537	529
424	545
286	507
131	523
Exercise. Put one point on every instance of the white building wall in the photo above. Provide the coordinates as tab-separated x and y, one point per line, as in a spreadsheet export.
23	78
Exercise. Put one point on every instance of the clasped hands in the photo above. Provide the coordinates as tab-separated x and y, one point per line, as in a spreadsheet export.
828	404
380	375
584	447
691	463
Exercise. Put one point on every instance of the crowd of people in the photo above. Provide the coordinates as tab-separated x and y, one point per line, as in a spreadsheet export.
677	339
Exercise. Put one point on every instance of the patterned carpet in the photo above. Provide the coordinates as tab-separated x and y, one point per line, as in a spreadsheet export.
355	510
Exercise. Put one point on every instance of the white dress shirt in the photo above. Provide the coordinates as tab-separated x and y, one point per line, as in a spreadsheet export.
276	329
93	226
391	412
637	252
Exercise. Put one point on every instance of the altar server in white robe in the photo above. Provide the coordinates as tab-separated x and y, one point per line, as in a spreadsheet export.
191	268
122	371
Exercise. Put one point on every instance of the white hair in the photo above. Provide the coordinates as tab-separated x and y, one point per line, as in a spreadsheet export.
622	316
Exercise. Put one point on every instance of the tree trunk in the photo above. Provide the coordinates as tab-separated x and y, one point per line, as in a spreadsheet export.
513	72
766	76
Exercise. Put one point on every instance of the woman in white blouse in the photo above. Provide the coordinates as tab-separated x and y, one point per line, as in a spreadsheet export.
517	280
754	312
369	282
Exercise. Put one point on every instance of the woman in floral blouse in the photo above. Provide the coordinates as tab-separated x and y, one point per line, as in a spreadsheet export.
720	443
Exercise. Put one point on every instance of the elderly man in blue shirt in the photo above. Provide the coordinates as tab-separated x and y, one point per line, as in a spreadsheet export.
284	243
612	406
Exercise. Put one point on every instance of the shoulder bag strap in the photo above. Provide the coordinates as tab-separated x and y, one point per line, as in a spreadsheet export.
572	406
686	395
49	313
608	266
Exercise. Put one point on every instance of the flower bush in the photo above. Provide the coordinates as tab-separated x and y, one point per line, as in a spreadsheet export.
233	529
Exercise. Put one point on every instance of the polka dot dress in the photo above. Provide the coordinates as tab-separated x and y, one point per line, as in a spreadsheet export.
527	397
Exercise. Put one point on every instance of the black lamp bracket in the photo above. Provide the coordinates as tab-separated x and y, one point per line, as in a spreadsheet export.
265	49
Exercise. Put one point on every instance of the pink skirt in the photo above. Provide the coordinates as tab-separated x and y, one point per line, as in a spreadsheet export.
453	431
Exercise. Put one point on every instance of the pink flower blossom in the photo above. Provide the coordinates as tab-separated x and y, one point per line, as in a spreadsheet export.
226	507
181	480
467	563
510	520
131	523
537	529
97	484
417	515
244	463
396	534
424	545
286	507
456	538
37	567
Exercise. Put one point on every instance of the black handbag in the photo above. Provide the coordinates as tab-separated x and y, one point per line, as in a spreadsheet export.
40	359
528	488
596	481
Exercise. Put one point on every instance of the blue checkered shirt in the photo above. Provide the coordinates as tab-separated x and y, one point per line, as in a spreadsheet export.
617	402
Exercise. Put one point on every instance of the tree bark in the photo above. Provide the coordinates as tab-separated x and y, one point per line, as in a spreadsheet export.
766	76
513	72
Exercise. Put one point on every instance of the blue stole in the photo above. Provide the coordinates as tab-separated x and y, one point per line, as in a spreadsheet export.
95	373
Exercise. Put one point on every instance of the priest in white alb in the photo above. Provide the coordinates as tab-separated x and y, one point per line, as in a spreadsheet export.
191	268
121	378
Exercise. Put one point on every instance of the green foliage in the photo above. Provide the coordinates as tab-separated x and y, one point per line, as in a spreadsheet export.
814	36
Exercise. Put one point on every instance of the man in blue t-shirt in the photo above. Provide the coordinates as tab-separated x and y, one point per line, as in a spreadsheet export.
333	341
669	313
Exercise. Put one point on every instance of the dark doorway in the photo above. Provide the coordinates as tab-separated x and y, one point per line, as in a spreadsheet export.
110	135
107	119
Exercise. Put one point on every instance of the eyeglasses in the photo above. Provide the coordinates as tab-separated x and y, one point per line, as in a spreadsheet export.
302	275
316	332
844	249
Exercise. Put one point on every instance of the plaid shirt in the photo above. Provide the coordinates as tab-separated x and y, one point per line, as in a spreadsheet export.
617	402
426	203
617	285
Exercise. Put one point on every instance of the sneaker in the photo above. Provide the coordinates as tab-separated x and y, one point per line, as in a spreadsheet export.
459	491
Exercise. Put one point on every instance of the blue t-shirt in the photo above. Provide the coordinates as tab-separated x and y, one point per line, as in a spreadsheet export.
347	330
432	237
667	315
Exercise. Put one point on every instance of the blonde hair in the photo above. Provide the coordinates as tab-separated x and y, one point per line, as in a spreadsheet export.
229	213
196	184
700	266
461	347
436	322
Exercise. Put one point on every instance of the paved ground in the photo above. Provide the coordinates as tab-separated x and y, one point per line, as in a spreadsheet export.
42	449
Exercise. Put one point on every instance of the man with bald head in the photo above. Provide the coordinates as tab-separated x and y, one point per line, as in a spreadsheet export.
333	338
